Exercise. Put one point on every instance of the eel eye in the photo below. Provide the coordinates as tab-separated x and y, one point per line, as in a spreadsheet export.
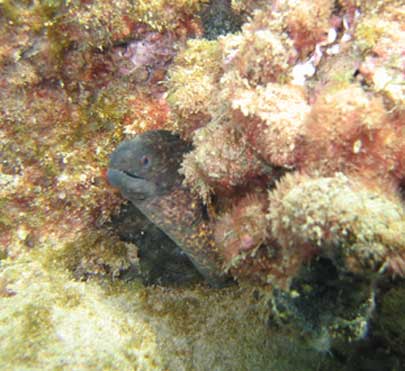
144	161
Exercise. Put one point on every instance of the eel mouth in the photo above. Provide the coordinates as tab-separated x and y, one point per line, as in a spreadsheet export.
131	175
131	186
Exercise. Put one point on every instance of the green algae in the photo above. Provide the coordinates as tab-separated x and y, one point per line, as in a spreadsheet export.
93	253
391	319
39	12
192	85
369	32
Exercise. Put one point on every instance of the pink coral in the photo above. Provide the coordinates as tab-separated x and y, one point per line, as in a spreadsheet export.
152	51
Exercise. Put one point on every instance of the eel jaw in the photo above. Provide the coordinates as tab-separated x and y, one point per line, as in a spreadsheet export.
131	186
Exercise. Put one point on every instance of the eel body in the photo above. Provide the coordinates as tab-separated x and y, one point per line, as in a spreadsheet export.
145	170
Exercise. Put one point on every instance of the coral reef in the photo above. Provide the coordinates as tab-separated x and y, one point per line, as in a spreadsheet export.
240	234
66	101
383	40
348	144
153	51
243	228
261	52
295	111
363	226
308	23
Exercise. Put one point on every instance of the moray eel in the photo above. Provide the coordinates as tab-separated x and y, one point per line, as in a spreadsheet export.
145	170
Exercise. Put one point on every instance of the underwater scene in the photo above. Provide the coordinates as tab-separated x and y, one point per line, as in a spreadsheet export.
202	185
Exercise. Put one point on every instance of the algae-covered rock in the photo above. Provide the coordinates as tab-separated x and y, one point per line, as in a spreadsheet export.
391	320
50	322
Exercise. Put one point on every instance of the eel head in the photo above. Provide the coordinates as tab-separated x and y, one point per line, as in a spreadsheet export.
147	166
